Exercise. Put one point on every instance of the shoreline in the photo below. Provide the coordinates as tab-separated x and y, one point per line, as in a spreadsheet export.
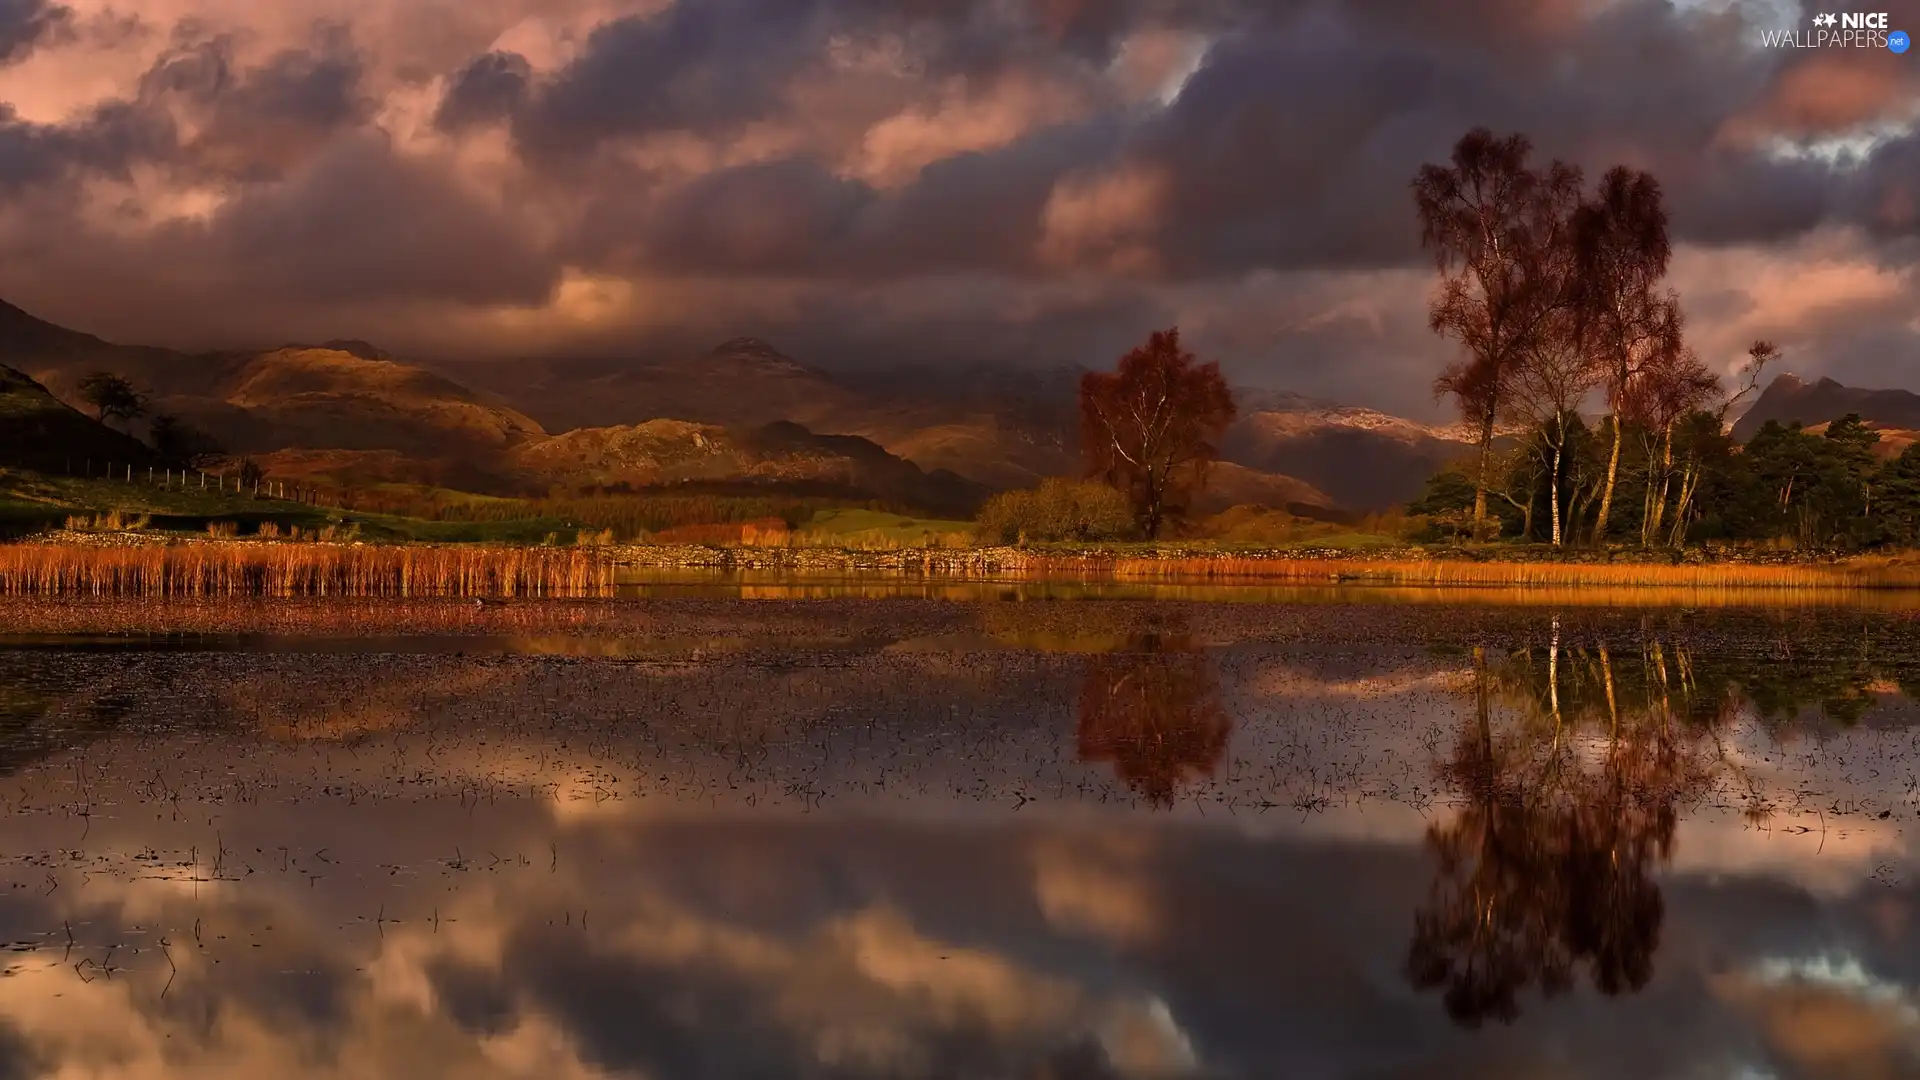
125	564
1302	566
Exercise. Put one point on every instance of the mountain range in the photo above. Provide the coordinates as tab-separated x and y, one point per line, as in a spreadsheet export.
1790	399
742	412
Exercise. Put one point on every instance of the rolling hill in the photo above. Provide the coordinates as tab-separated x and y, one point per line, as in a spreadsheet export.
662	453
743	411
335	399
740	383
996	426
1893	440
1360	459
39	431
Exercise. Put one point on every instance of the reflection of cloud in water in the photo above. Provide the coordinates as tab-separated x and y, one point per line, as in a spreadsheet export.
1829	1016
1096	884
856	862
587	971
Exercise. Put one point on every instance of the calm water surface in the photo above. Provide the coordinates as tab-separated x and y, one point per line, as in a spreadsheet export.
711	835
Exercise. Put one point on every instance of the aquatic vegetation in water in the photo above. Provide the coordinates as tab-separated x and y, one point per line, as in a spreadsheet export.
1153	709
307	569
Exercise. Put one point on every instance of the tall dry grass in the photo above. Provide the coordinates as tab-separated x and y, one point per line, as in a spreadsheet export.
1859	573
112	521
308	569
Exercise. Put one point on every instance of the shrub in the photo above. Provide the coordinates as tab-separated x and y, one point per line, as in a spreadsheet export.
112	521
1058	510
759	532
1249	524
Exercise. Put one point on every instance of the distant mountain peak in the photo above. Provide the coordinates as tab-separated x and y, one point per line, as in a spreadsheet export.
1300	414
1791	399
21	329
758	353
365	350
745	341
745	346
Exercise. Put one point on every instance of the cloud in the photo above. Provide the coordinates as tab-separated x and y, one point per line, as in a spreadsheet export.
263	121
491	88
362	223
26	24
857	179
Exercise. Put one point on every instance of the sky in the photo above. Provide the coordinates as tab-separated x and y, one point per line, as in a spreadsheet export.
886	182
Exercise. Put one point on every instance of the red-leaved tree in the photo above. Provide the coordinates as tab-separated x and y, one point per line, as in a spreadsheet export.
1149	427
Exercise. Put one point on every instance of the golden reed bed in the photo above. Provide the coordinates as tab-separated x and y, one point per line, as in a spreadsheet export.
308	569
1862	573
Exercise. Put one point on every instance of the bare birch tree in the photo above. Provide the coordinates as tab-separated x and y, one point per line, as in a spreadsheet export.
1628	322
1484	217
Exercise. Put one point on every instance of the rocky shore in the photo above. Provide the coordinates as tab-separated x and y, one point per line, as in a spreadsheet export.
1146	560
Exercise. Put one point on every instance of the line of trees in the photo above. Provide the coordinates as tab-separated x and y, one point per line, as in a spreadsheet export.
1809	488
115	398
1556	295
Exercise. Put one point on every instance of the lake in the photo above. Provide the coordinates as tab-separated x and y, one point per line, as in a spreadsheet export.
759	829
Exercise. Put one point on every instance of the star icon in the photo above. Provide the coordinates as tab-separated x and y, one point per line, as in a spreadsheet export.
1824	20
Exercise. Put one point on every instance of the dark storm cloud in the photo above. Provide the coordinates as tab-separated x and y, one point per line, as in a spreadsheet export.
1290	148
1888	193
25	24
30	154
266	119
1293	147
363	224
902	165
705	67
713	66
491	88
781	216
196	71
967	213
104	141
980	211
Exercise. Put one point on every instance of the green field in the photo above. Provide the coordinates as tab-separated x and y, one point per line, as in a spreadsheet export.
31	502
858	527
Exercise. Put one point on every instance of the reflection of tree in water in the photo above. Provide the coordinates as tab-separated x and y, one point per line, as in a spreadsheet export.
1548	867
1153	710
